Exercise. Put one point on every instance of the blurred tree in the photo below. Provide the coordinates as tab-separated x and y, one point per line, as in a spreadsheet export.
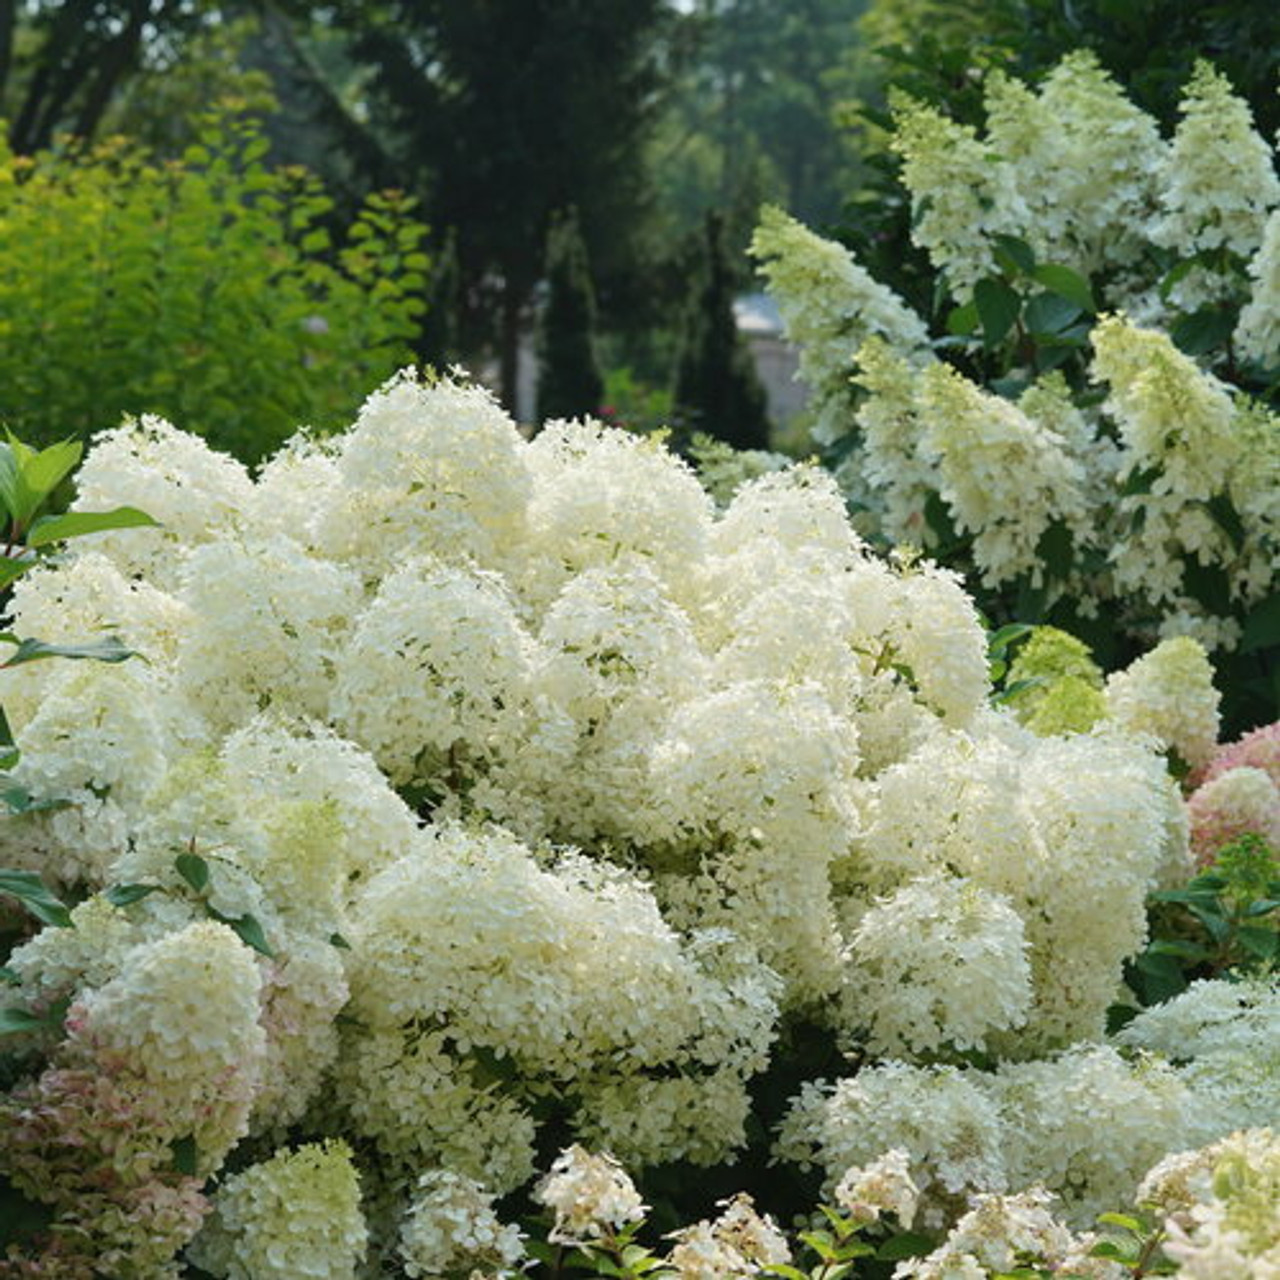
716	388
501	111
569	381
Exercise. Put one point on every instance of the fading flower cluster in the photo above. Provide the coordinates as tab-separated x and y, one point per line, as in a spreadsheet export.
295	1214
739	1243
451	1226
590	1195
1236	792
883	1186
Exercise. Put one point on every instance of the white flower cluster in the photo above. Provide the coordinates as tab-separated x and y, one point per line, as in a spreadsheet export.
737	1244
561	787
451	1226
591	1197
883	1186
295	1214
1162	500
1085	1125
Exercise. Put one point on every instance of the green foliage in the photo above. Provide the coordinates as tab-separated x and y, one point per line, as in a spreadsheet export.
716	388
207	291
1223	921
569	381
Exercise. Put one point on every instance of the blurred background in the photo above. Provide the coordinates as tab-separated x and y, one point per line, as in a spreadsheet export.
244	216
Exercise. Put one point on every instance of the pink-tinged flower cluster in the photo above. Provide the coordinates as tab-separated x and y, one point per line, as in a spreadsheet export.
149	1091
1237	792
1258	749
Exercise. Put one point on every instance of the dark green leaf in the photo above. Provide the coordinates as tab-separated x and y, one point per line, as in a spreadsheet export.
998	306
339	941
1017	687
75	524
18	800
1049	314
1223	511
1055	548
1259	940
1001	640
185	1156
1262	907
193	869
1202	331
30	890
13	1021
1207	585
123	895
1014	256
1066	284
13	567
109	650
907	1244
1139	481
248	930
1262	626
963	321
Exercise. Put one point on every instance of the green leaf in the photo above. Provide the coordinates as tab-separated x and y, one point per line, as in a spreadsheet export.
1015	257
1055	548
13	567
108	650
1223	511
1207	585
1017	687
1139	481
1121	1220
1258	940
1262	907
339	941
1066	284
1000	640
907	1244
9	975
193	869
18	800
75	524
44	471
20	1218
1262	626
247	929
30	890
1048	314
963	321
123	895
998	307
1202	331
185	1155
13	1021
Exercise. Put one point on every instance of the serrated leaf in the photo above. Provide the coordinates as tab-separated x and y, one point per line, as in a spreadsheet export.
123	895
1066	284
185	1155
193	869
75	524
108	650
998	307
31	891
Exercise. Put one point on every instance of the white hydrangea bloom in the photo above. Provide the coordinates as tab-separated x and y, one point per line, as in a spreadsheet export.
1004	476
272	622
1257	335
599	494
1085	159
1233	1227
739	1243
962	191
431	468
433	674
1210	1016
1219	180
830	306
183	1013
941	962
195	493
297	493
590	1195
294	1215
1088	1125
1169	694
864	1192
945	1121
450	1225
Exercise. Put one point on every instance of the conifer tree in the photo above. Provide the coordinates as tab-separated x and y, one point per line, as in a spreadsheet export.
569	381
716	387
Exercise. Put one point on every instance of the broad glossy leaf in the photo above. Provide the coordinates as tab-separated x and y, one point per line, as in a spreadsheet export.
108	650
32	892
75	524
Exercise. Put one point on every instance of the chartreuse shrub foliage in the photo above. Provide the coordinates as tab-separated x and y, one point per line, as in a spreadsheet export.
211	289
1085	423
481	798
